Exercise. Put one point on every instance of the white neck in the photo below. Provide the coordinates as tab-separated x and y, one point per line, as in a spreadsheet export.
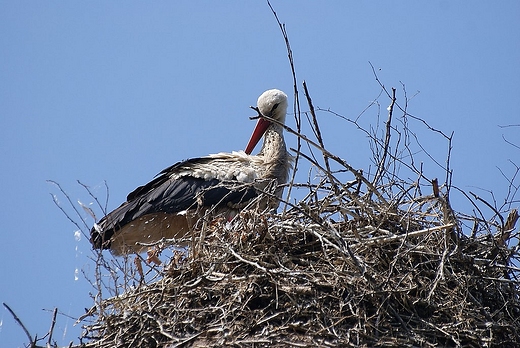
276	158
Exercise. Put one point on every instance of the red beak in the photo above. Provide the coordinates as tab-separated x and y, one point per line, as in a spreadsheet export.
261	127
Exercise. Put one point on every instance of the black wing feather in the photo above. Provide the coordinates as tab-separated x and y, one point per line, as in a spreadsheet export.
167	195
164	176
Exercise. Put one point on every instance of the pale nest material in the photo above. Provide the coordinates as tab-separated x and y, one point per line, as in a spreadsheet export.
398	276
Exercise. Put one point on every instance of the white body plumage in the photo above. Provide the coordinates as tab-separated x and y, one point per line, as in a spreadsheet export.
166	206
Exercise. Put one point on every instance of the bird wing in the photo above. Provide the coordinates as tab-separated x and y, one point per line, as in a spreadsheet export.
216	180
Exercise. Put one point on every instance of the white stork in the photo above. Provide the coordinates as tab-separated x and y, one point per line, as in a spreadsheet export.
222	183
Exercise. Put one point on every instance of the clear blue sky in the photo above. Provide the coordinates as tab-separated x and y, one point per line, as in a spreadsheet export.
117	91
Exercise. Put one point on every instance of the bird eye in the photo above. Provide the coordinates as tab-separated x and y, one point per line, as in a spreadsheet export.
274	107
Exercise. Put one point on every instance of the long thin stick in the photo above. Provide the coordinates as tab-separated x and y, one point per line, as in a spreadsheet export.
381	166
385	239
297	112
318	136
51	330
20	323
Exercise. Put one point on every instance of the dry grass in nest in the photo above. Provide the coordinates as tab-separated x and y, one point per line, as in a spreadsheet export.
401	276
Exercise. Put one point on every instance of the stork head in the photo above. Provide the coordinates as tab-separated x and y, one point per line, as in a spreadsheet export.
273	104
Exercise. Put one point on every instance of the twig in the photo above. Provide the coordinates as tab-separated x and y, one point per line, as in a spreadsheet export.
317	131
386	240
316	127
33	342
56	202
183	342
254	264
381	165
70	202
53	322
497	213
440	271
296	105
509	142
103	208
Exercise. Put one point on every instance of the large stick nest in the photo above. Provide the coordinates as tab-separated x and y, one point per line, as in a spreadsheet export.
369	262
387	279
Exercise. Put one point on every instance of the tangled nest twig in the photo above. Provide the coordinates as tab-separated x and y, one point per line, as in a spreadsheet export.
394	279
361	263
